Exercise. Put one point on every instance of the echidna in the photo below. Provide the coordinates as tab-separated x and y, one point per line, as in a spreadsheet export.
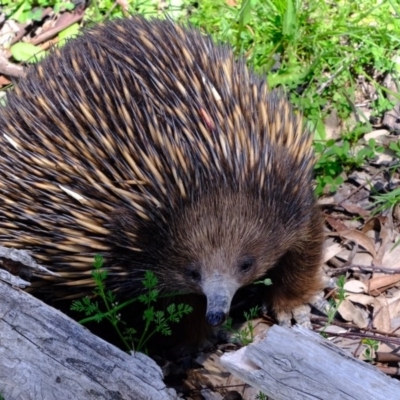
146	142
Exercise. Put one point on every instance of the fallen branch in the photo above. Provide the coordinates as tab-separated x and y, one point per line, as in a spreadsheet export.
46	355
298	364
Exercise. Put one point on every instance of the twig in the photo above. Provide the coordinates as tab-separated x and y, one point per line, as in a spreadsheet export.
365	268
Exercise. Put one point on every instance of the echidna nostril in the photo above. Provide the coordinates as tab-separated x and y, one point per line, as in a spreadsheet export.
215	318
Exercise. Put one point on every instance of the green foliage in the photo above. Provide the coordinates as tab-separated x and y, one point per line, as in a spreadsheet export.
156	321
25	10
334	305
384	201
335	158
98	10
372	347
243	336
101	10
69	33
261	396
27	52
395	146
159	319
391	199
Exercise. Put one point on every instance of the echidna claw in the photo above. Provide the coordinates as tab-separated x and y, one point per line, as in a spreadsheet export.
300	314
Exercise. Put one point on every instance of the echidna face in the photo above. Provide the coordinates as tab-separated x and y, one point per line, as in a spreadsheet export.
221	276
222	243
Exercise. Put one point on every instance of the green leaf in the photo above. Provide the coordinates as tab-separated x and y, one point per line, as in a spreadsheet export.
149	314
98	261
244	14
27	52
171	308
70	32
150	280
289	20
19	14
36	15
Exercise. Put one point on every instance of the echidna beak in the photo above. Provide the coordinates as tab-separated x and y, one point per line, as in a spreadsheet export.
219	292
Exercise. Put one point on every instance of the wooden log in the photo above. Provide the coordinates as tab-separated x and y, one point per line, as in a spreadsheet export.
299	364
46	355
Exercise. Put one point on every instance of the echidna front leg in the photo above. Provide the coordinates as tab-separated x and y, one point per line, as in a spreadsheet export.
297	278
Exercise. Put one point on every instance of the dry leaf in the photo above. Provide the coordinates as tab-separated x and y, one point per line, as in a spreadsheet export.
363	258
384	239
355	287
381	315
360	238
4	81
336	224
380	283
394	305
362	299
213	374
391	258
351	313
355	209
374	224
331	251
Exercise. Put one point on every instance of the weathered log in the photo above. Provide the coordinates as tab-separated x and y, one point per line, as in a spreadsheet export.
46	355
298	364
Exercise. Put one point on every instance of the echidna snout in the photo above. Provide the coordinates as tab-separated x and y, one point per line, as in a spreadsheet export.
219	291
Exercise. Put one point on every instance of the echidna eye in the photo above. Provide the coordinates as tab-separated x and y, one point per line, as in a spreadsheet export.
193	274
246	264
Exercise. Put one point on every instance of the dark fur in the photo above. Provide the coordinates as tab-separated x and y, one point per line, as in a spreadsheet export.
187	166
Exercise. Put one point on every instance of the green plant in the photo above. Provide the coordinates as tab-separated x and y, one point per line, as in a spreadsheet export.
372	346
98	11
25	10
335	304
243	336
261	396
156	321
33	10
334	158
395	146
384	201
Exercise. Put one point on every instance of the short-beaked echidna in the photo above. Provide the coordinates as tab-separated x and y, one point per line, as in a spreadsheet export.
146	142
